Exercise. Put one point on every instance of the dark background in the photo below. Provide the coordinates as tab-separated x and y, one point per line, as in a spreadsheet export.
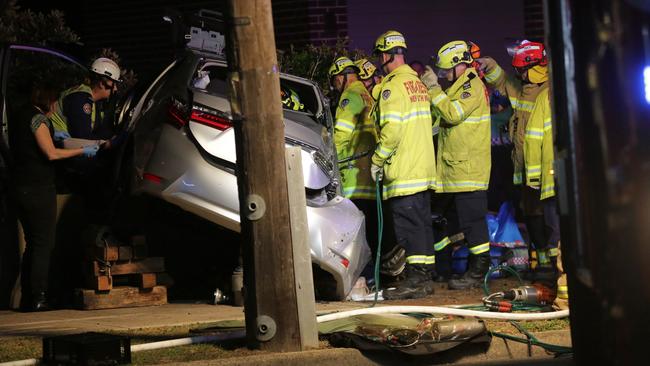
136	31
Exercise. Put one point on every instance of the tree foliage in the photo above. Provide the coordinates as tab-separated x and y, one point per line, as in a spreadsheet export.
19	25
313	61
24	26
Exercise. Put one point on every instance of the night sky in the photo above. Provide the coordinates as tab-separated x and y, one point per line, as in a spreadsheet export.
427	24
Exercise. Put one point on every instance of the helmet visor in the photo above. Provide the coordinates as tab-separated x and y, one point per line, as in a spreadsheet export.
511	45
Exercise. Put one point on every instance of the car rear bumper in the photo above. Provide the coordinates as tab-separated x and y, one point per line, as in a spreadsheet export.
337	235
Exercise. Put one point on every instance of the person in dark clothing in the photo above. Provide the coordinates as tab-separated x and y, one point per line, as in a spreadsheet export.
33	190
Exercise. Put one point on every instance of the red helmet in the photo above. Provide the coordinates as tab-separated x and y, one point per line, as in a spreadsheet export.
527	54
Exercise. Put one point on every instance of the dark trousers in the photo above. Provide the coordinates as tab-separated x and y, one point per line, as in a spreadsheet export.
465	213
369	209
412	224
36	209
542	219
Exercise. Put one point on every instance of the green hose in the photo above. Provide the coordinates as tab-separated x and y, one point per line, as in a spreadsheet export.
531	340
380	230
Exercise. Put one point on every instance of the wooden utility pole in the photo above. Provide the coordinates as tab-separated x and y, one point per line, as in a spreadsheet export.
270	300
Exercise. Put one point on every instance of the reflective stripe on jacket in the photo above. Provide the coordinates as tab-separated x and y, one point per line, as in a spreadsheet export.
522	99
355	133
538	147
405	148
464	140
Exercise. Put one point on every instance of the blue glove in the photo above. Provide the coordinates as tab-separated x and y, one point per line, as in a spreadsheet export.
90	151
61	135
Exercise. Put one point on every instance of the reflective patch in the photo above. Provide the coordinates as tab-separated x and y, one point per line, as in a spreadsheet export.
385	94
465	95
344	102
87	108
467	85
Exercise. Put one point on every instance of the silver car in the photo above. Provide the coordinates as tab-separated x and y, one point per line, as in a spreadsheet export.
184	153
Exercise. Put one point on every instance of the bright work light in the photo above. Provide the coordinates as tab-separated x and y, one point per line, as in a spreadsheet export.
646	82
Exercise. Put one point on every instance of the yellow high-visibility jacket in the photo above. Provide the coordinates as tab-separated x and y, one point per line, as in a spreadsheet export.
464	140
355	133
538	147
522	99
405	148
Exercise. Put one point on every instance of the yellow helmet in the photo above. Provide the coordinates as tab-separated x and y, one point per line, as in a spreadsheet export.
390	42
340	65
366	68
452	54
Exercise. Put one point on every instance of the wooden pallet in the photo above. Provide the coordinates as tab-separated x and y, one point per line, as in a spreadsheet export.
118	270
120	297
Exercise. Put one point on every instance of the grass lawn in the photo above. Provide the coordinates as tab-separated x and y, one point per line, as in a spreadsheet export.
18	348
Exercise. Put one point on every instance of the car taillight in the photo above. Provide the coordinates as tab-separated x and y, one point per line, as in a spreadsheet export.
178	116
211	118
152	178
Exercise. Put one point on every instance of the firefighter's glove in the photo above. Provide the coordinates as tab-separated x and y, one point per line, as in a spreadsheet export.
376	172
482	62
429	78
61	135
90	151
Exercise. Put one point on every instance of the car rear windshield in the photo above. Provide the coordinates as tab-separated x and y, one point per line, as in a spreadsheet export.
211	77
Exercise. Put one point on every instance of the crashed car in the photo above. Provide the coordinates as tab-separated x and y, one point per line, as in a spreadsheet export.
184	153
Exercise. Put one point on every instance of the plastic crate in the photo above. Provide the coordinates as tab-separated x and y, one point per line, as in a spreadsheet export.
87	349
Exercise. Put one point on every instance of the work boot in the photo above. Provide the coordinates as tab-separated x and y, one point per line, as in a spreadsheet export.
547	274
416	284
478	267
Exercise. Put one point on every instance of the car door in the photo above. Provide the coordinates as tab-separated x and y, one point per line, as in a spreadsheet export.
22	66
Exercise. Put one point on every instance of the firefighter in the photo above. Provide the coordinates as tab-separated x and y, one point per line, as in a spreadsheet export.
290	99
463	155
538	196
368	73
405	158
523	89
355	137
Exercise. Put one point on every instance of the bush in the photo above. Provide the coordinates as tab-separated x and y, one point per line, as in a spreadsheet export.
25	26
313	62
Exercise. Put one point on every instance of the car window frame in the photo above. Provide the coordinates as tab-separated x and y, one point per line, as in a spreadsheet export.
7	52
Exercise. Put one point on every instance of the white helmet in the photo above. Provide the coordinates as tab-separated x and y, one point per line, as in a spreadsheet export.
106	67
